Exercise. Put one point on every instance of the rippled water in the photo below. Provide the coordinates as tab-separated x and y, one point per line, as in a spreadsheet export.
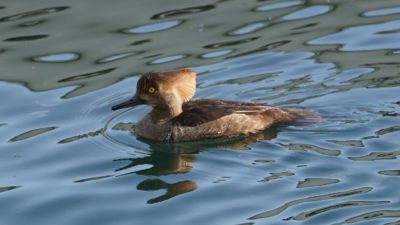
66	158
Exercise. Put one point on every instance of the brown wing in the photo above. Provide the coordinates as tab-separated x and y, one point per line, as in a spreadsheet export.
200	111
197	112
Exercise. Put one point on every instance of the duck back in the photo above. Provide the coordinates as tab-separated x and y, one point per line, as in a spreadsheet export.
209	118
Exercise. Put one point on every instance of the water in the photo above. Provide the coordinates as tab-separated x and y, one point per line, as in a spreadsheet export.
66	158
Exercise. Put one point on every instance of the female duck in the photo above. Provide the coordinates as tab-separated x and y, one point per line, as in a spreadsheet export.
175	117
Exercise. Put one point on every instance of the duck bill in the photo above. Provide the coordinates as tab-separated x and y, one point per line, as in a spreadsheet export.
130	103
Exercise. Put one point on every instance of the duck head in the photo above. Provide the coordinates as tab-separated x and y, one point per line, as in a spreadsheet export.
164	91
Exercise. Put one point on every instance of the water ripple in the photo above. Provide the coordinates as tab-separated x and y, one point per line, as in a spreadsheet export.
382	12
149	28
287	205
315	212
309	12
376	156
62	68
181	12
166	59
372	216
27	37
382	35
249	28
280	5
58	57
313	182
9	188
33	13
216	54
31	133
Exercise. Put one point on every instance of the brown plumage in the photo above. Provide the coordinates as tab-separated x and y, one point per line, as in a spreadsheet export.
177	118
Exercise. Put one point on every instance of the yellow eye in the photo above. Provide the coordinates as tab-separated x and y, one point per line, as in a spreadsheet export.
151	90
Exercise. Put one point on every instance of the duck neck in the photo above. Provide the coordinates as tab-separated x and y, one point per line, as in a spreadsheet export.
171	108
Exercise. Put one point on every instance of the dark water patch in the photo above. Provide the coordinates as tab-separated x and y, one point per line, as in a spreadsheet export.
27	38
32	133
389	113
309	25
390	172
315	212
372	216
248	79
9	188
348	143
393	223
245	224
230	43
268	46
122	126
277	6
314	182
34	13
377	156
262	161
180	12
90	179
376	82
31	23
221	180
141	42
367	34
313	148
87	75
287	205
152	56
58	57
81	136
388	130
278	175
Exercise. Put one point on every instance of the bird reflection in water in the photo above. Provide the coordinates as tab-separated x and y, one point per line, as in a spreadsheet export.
179	158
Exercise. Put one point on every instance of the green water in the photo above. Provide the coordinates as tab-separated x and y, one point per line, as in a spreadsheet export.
66	158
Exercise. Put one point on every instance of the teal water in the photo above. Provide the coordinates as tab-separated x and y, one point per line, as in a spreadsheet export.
66	158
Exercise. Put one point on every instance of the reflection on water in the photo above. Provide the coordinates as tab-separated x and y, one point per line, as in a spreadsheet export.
58	58
148	28
31	133
62	149
311	199
177	158
26	38
33	13
163	163
172	190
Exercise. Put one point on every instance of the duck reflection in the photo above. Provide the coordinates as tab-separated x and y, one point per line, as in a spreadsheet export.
179	158
173	189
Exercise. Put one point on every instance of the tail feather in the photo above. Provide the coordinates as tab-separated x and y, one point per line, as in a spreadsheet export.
300	117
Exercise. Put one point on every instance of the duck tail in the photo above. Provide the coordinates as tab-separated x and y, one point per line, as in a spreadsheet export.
300	117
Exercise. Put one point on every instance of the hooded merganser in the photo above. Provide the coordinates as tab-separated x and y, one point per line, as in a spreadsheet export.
175	117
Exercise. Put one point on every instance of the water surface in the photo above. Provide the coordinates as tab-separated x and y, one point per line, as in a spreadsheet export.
66	158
